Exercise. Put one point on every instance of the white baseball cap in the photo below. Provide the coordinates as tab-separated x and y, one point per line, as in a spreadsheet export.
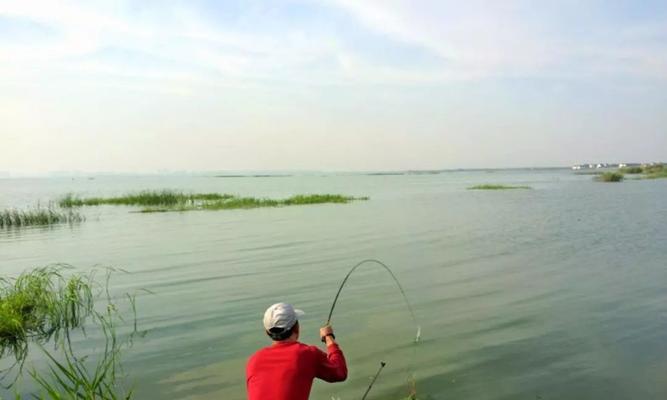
281	315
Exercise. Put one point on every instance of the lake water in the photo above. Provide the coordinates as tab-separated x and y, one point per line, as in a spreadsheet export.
559	292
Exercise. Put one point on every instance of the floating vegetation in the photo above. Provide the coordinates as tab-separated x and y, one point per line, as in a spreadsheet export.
37	216
609	177
144	198
169	200
233	203
489	186
46	305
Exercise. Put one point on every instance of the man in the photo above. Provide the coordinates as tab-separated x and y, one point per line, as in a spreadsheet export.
286	369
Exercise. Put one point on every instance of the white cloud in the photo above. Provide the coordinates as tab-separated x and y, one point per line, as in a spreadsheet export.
514	39
191	49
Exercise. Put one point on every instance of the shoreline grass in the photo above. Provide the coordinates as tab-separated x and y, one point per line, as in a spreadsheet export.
37	216
652	171
489	186
657	171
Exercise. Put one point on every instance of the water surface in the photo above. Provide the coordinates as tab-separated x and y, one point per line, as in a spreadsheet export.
551	293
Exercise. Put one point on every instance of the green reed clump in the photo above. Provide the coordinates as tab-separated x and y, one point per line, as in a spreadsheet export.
168	200
609	177
39	305
144	198
45	305
234	202
73	377
37	216
319	199
240	202
489	186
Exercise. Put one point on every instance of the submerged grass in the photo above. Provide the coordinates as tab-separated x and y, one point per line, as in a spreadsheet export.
37	216
489	186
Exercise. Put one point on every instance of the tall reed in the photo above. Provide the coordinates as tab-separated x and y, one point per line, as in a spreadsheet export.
48	305
37	216
143	198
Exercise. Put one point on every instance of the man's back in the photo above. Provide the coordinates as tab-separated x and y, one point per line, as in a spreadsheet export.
285	370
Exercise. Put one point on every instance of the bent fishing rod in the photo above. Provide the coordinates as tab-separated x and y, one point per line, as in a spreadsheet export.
398	284
405	298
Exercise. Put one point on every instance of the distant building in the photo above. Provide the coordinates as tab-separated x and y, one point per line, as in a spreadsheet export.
609	165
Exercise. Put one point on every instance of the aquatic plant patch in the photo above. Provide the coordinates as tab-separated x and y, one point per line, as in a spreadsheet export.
165	201
489	186
143	198
47	306
37	216
609	177
168	200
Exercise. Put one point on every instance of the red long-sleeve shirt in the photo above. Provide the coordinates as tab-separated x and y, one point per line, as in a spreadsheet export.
285	370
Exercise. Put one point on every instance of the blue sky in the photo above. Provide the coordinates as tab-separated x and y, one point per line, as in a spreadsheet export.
330	84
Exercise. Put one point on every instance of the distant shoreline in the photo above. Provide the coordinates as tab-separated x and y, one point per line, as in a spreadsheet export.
262	174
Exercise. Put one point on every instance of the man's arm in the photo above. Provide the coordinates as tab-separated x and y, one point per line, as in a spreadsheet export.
331	365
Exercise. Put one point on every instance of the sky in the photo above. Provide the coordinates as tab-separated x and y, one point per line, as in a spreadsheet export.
330	85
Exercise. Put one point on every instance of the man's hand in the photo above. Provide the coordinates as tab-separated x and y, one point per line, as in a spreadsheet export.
327	335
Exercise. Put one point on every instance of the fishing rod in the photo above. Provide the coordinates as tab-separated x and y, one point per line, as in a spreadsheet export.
405	298
398	284
370	386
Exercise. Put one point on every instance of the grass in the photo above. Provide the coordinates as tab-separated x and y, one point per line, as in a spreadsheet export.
631	170
47	305
657	175
37	216
654	171
39	305
167	200
609	177
497	187
144	198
